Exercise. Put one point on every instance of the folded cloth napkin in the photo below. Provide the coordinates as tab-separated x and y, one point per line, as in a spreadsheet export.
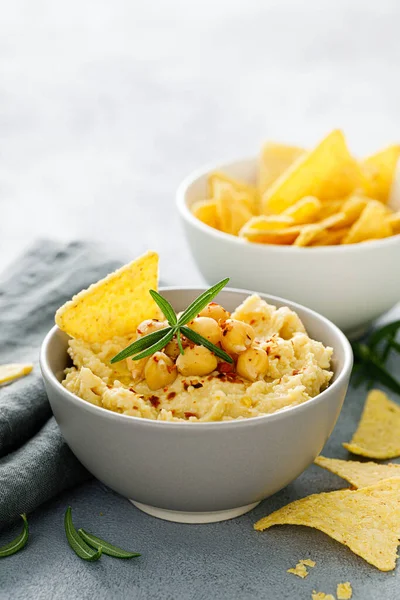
35	462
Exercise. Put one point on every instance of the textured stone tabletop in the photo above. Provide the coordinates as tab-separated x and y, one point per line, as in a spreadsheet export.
104	107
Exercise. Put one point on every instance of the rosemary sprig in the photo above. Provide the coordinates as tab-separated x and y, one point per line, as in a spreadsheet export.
78	545
18	543
153	342
370	357
106	547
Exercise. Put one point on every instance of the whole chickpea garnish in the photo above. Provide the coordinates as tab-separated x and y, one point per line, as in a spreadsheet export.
236	336
196	361
252	364
207	327
160	371
215	311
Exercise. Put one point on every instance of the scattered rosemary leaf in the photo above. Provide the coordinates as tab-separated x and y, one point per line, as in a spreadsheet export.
18	543
106	547
78	545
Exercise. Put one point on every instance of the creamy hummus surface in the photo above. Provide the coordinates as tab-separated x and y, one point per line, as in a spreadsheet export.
298	368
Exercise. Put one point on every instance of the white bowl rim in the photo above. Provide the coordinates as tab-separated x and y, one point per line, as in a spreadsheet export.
280	414
227	237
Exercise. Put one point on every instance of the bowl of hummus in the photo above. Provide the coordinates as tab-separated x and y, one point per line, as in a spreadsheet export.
193	436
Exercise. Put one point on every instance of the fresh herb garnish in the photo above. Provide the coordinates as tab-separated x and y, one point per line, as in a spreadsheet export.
19	542
78	545
155	341
370	356
106	547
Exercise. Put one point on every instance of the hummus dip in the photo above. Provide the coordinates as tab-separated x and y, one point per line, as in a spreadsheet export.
298	369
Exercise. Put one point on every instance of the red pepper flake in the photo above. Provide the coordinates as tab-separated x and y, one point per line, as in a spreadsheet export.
171	395
189	414
252	321
131	390
154	400
277	356
185	385
197	385
296	372
224	367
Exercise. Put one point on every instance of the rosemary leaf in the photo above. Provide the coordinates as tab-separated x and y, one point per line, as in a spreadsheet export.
201	302
18	543
202	341
141	344
78	545
106	547
157	346
165	306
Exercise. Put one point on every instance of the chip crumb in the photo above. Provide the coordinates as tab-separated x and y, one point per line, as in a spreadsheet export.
308	562
14	371
344	591
321	596
299	570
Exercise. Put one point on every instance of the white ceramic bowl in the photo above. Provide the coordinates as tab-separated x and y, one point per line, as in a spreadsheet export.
351	285
199	472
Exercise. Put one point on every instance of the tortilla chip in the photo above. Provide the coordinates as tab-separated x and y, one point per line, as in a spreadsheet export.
330	238
308	562
357	473
394	221
352	209
308	233
346	516
232	210
206	211
14	371
370	225
321	596
217	180
274	160
344	591
378	432
305	210
378	173
115	305
327	172
329	208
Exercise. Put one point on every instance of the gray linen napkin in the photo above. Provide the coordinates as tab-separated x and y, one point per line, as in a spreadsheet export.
35	462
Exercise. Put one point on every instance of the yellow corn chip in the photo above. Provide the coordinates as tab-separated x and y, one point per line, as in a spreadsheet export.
357	473
321	596
378	173
270	222
371	224
327	172
305	210
206	211
308	562
352	209
308	233
274	160
330	238
248	192
344	591
14	371
232	209
329	208
113	306
378	432
367	521
394	222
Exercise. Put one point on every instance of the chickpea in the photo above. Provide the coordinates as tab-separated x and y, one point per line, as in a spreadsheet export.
206	327
215	311
150	325
136	367
159	371
172	349
196	361
252	364
237	336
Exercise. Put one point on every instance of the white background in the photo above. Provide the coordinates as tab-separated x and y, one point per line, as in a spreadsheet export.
106	105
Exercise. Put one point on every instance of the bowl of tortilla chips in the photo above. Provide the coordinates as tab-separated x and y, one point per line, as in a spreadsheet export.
319	227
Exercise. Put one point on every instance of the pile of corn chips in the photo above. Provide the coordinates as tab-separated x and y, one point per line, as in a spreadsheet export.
365	518
321	197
